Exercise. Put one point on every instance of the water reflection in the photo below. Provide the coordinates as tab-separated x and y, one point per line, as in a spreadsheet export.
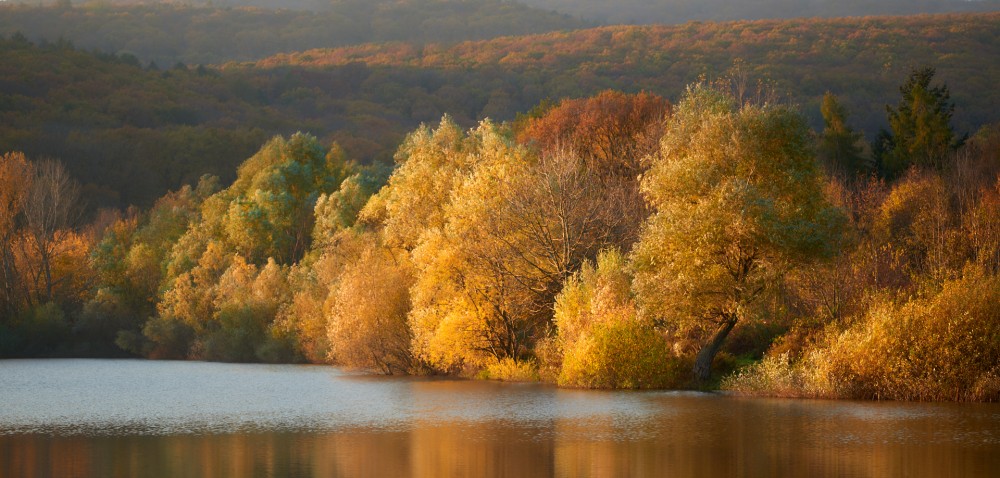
218	420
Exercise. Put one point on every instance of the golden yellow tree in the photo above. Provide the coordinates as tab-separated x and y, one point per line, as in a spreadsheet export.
506	235
367	325
738	198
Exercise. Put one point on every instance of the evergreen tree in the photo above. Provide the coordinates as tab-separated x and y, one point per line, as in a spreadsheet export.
839	146
921	130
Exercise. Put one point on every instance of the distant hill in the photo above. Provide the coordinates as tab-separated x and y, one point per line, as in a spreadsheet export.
681	11
167	33
861	59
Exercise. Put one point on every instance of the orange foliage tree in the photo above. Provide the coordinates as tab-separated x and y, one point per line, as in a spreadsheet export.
609	135
612	131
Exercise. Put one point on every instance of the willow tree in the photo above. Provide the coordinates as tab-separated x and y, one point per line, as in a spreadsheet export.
493	230
737	199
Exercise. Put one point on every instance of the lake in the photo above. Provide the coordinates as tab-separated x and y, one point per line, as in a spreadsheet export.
125	418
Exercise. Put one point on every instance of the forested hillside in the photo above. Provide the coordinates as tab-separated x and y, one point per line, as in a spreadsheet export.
680	11
128	133
860	59
167	32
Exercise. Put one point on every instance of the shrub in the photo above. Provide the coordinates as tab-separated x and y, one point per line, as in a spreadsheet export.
44	329
604	341
511	370
163	338
619	352
943	346
777	376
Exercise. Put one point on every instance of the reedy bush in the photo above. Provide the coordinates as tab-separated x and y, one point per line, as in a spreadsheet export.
944	345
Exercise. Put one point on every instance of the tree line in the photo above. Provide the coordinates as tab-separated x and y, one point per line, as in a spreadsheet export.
616	241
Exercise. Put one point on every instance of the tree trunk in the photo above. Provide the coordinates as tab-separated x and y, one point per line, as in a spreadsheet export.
9	286
703	364
47	269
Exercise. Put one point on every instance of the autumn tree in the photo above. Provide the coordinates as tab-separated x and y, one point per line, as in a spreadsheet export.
44	263
315	280
501	229
369	305
921	129
916	226
608	134
52	206
468	305
611	131
737	199
431	162
15	184
480	216
975	181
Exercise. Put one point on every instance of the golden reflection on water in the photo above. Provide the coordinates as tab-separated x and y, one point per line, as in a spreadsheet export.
751	448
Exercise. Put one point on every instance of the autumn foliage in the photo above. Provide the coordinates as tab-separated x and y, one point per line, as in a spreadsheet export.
608	242
612	131
910	313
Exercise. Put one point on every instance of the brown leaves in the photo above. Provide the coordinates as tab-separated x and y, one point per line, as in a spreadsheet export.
611	132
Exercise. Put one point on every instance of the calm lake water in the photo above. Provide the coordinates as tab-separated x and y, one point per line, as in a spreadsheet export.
131	418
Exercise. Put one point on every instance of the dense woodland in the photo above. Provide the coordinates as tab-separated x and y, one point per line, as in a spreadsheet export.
680	11
859	59
821	218
166	33
130	133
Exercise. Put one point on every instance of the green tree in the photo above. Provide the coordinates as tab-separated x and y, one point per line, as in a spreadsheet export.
921	129
131	260
270	211
242	242
839	146
737	198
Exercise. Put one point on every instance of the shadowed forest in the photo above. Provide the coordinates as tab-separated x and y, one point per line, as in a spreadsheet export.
812	212
680	11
